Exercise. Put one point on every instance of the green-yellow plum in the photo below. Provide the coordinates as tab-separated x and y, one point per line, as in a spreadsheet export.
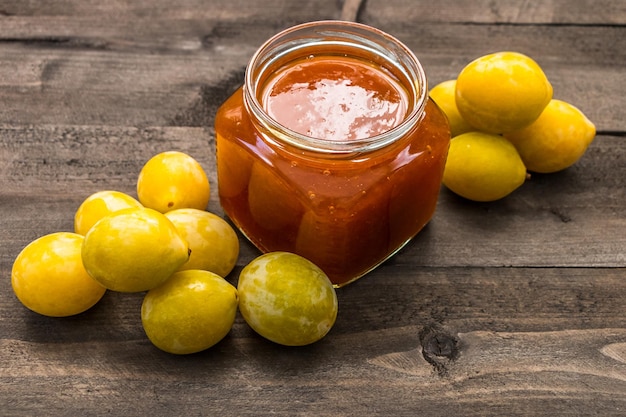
133	250
213	243
49	278
191	312
287	299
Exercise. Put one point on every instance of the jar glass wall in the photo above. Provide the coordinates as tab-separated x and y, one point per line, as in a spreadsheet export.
331	149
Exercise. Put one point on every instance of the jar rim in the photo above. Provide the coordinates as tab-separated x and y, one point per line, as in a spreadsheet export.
348	34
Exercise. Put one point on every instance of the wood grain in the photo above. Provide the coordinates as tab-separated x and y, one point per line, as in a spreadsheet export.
508	308
573	218
584	63
477	12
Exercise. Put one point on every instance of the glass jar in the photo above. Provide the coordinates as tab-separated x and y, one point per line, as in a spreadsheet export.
331	149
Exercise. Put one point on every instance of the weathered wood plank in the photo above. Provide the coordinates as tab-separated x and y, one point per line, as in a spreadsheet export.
377	339
481	11
95	87
508	308
582	69
573	218
63	159
585	12
157	9
391	297
468	299
481	381
394	297
92	79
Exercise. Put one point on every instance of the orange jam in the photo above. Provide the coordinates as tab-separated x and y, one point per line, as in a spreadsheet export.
335	98
331	149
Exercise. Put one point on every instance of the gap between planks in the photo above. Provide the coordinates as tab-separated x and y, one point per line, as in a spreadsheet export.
350	10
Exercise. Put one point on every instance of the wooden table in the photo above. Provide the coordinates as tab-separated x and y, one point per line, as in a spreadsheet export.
516	307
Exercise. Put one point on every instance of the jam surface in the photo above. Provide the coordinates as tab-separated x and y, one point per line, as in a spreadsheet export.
335	98
346	214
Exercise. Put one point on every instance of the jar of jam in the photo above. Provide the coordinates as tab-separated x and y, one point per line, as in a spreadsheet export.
331	149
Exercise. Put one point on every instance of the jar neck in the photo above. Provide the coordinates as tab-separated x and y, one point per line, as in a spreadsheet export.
335	38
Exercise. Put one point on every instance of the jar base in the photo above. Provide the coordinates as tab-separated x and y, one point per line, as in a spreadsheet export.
343	283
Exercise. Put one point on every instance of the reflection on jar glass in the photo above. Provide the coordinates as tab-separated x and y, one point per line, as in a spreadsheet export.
331	149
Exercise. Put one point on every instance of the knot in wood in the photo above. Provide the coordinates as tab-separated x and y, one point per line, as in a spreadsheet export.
439	346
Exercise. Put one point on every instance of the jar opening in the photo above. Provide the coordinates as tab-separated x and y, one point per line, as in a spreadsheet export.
345	46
